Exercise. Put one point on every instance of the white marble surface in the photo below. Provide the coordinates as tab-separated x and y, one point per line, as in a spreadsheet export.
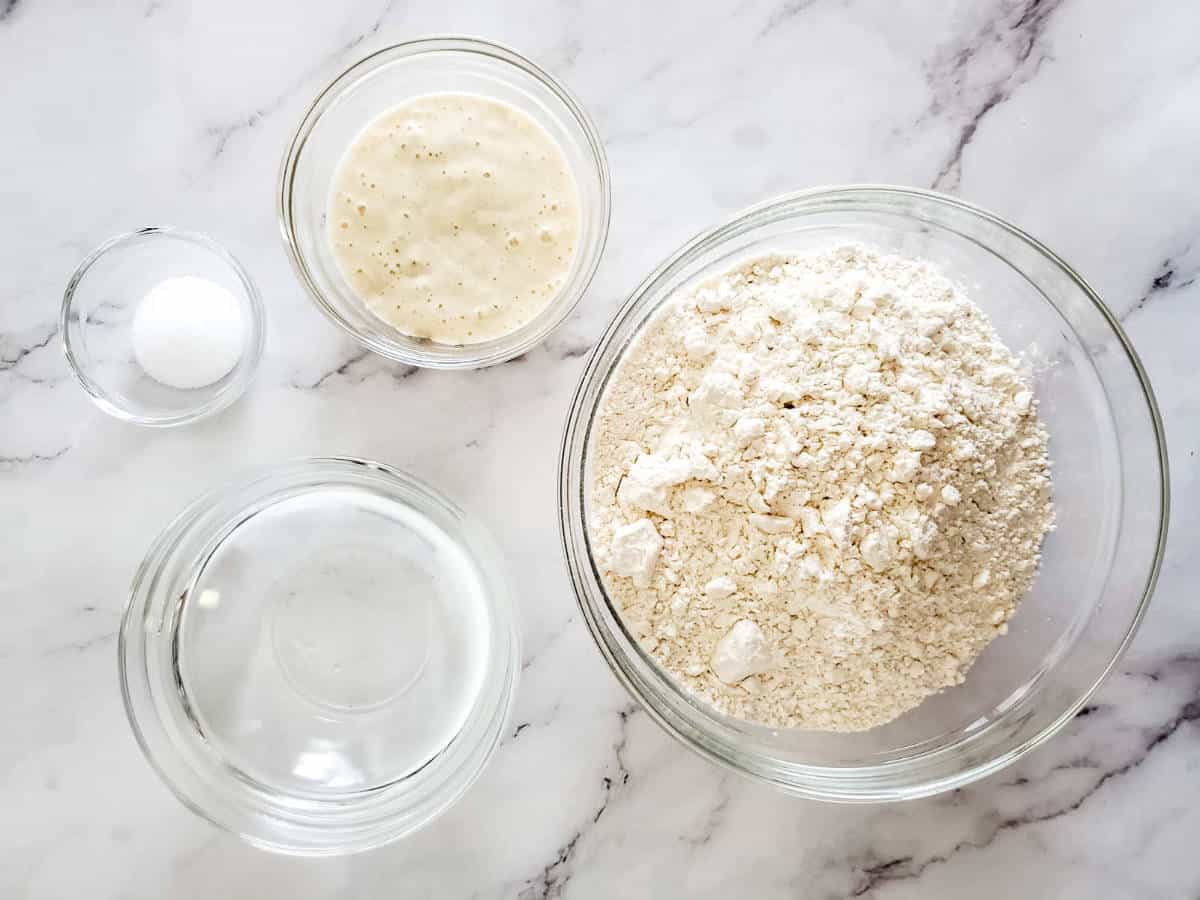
1077	119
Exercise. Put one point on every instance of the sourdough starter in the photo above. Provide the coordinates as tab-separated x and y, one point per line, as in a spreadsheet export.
455	217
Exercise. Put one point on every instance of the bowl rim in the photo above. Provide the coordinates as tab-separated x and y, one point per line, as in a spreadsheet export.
244	371
467	356
326	827
578	422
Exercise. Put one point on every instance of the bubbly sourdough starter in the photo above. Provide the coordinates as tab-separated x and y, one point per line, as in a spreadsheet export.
455	217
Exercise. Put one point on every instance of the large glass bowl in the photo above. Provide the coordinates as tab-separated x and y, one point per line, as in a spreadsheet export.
384	80
1098	568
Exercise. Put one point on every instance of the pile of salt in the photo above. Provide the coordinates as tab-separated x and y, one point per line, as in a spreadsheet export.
188	332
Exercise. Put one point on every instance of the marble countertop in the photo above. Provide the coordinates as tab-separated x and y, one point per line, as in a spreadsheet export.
1077	119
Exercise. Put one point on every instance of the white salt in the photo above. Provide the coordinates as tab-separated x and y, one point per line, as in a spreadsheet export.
188	332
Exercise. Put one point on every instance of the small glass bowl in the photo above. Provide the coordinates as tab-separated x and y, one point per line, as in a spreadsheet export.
97	317
383	80
1098	567
320	657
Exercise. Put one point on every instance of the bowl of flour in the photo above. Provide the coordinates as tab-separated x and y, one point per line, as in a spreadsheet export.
845	493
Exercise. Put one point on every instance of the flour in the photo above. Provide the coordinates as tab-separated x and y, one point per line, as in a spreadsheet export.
819	488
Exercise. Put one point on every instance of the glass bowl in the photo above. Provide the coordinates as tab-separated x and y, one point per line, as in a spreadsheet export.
97	317
1098	568
320	657
383	80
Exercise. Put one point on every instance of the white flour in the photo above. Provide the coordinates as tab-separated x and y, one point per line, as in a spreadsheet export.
819	488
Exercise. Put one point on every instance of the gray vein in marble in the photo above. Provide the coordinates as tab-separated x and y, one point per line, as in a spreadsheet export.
576	351
542	722
1074	764
553	879
8	463
546	644
343	370
625	713
35	379
563	350
373	28
80	646
1024	34
7	8
8	362
713	818
1173	274
906	868
652	73
784	13
340	369
223	133
94	319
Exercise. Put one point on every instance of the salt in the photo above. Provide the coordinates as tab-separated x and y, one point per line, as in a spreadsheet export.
188	332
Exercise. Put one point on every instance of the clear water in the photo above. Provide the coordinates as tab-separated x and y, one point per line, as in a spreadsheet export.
334	641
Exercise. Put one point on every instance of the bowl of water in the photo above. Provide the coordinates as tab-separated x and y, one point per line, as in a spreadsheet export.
321	656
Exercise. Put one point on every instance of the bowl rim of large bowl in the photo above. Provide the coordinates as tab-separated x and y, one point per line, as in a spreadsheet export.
466	356
571	507
244	371
326	826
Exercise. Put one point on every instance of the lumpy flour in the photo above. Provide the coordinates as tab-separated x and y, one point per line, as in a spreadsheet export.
819	487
